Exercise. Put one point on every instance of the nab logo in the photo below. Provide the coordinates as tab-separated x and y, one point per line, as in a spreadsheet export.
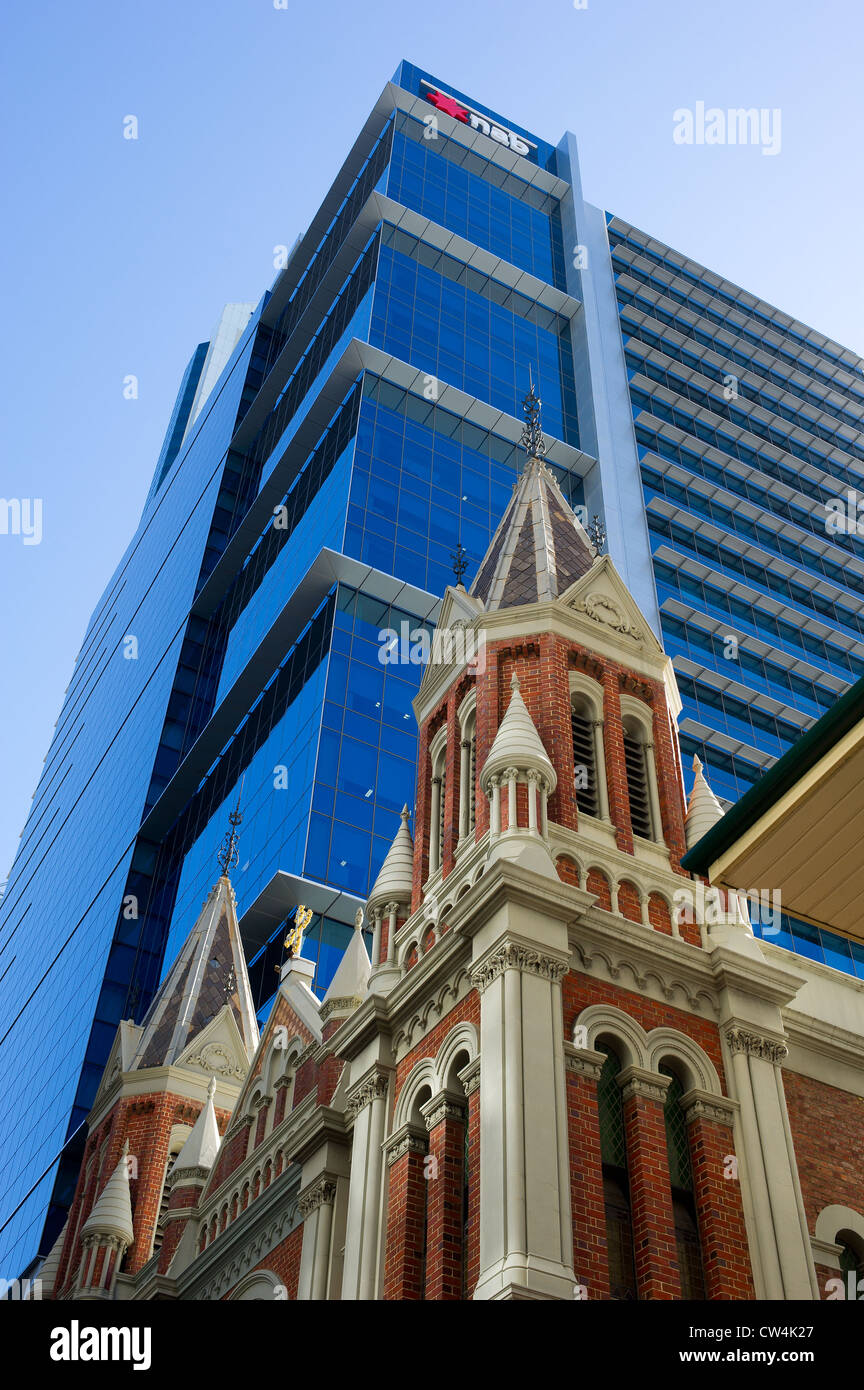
451	107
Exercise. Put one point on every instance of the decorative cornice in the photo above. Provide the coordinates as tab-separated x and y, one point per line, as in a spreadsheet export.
583	1061
371	1087
321	1193
409	1138
514	956
756	1044
345	1003
647	1085
186	1177
704	1105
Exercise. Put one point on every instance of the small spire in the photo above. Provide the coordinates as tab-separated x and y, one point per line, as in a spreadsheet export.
514	682
229	854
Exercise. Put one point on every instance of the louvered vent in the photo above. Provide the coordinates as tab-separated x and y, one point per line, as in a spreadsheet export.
583	758
472	785
637	787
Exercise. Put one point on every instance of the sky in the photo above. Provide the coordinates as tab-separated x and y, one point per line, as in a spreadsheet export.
119	254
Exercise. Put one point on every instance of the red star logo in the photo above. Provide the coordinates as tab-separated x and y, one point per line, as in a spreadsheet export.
448	105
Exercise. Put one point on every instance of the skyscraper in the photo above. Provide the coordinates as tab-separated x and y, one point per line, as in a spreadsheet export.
329	451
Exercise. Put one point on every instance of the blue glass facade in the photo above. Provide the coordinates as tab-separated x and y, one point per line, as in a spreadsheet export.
367	421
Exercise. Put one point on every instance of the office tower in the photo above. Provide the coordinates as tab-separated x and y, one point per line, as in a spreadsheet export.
329	454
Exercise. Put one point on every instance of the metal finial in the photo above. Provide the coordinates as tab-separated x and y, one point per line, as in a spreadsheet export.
597	534
460	564
229	854
532	436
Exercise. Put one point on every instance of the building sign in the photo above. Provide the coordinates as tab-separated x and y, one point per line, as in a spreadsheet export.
451	107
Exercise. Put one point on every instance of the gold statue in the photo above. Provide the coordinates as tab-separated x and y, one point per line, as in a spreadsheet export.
294	939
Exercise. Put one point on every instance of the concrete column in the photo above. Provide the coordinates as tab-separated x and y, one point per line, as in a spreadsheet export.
316	1207
783	1240
526	1248
600	771
533	778
367	1103
495	812
376	937
435	826
464	788
653	796
512	816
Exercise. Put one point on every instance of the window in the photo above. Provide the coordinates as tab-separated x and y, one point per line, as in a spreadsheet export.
638	793
438	758
467	771
616	1185
584	760
159	1233
687	1240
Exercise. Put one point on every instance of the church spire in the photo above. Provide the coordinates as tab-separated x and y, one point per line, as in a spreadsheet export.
208	974
539	548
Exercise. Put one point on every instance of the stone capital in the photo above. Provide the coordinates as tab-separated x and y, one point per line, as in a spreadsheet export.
769	1049
470	1077
647	1085
371	1087
705	1105
444	1106
408	1138
512	955
321	1193
583	1061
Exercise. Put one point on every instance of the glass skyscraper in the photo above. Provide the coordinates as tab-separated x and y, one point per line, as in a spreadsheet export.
329	449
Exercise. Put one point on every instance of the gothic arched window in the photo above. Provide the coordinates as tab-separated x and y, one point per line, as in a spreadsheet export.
616	1183
687	1240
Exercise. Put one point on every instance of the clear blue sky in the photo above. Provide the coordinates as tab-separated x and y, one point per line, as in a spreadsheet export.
118	255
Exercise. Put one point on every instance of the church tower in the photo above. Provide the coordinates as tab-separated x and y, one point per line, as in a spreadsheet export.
169	1084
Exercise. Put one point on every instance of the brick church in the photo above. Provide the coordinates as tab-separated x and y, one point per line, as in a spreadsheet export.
560	1076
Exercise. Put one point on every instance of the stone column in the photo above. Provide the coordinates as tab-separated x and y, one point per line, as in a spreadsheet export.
367	1105
445	1120
470	1078
654	1245
526	1246
778	1209
511	774
495	810
533	779
315	1205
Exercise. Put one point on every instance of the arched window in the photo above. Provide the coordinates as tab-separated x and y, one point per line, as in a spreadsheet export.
851	1260
584	756
687	1240
638	785
616	1184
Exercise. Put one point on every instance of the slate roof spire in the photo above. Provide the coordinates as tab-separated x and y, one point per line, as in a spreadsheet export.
539	548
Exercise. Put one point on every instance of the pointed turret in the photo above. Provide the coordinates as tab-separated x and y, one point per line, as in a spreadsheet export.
112	1211
703	808
518	744
47	1276
396	875
209	973
348	987
202	1145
